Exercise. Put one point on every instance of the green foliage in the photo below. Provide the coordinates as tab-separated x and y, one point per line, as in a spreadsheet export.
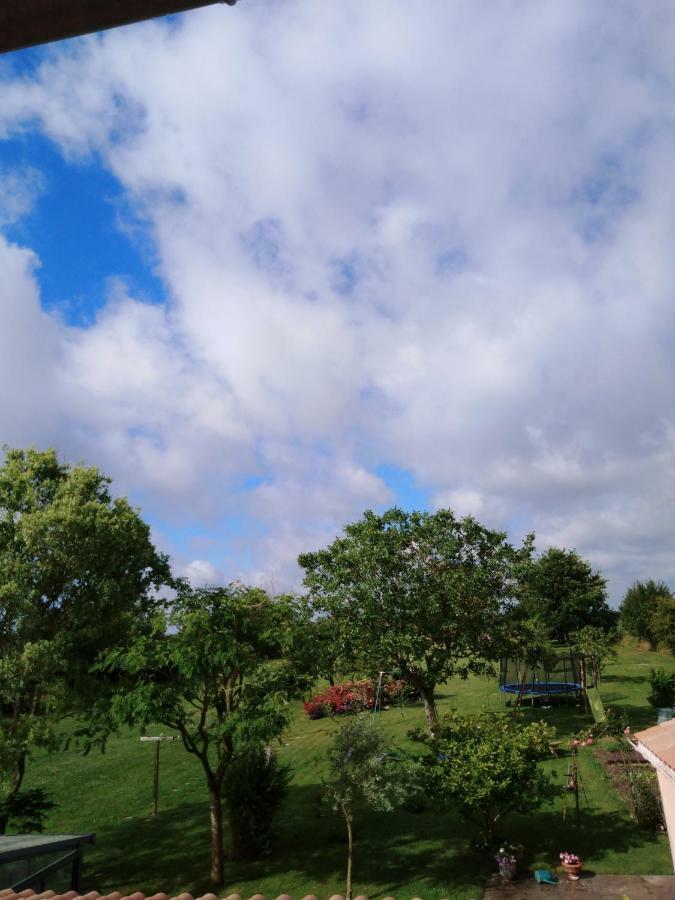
26	811
211	669
645	797
423	593
77	572
564	592
487	766
639	606
662	623
362	771
662	684
253	789
597	646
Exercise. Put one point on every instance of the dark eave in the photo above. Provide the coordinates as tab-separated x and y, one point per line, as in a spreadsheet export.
24	23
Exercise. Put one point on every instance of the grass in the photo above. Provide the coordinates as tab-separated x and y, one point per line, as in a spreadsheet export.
404	853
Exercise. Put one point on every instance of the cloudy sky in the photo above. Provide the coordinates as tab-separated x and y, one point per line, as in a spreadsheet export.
271	265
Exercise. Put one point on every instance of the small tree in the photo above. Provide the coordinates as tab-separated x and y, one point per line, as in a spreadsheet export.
422	593
564	591
211	670
363	772
487	766
638	607
597	646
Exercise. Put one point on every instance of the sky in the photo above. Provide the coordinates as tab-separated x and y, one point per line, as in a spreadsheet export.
272	265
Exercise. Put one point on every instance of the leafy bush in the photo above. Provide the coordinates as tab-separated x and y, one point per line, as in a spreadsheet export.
487	766
644	791
26	811
355	696
662	685
253	790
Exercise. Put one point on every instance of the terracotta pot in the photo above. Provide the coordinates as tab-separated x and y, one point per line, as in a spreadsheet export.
508	871
572	870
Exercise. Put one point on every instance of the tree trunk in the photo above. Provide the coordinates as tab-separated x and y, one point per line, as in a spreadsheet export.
216	809
350	847
17	781
427	696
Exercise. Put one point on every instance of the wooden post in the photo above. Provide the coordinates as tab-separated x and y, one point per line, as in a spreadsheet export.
155	777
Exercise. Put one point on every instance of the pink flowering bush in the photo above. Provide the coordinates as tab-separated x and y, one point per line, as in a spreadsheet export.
569	859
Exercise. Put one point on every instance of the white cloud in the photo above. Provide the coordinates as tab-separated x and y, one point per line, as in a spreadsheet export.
440	241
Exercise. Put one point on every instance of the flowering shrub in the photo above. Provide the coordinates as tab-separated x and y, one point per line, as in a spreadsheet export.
354	696
507	855
570	859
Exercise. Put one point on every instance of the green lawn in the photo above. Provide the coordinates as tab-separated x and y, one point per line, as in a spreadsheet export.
404	854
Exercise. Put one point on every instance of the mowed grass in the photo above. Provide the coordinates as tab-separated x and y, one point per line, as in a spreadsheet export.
405	854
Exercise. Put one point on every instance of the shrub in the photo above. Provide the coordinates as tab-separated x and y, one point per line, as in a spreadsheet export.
487	766
355	696
253	790
26	811
662	685
645	797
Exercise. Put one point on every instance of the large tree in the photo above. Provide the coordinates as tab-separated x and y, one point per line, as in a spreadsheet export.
78	571
421	593
564	592
211	669
639	606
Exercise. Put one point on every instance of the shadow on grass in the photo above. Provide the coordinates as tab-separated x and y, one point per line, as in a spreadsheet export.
593	834
624	679
171	851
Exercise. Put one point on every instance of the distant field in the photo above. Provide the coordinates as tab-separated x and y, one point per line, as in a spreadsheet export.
404	854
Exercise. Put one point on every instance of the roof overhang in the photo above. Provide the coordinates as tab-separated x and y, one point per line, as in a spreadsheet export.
24	23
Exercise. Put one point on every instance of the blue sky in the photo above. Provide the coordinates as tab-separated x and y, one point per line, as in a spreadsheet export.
271	265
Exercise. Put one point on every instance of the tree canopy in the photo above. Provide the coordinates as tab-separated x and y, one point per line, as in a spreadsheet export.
564	592
422	593
639	607
77	571
210	670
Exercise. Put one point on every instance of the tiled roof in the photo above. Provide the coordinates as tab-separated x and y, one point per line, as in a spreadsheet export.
28	894
660	739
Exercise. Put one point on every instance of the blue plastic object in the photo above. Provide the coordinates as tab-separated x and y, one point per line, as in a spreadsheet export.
545	876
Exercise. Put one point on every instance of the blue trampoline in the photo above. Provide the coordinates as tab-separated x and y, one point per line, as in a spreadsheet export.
559	674
541	687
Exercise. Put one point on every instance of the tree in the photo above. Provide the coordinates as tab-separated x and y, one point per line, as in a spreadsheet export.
363	772
211	670
638	607
487	766
422	593
78	571
564	591
597	646
662	623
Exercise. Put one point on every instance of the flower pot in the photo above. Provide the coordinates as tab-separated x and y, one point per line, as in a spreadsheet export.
572	870
508	871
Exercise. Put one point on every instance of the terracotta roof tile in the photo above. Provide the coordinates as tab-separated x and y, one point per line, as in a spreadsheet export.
660	739
28	894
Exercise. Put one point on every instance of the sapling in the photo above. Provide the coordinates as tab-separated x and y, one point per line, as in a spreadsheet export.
363	771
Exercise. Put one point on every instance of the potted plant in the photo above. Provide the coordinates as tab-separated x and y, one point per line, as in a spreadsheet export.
507	861
571	864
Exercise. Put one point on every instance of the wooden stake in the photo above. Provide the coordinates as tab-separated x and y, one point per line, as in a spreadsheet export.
155	777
